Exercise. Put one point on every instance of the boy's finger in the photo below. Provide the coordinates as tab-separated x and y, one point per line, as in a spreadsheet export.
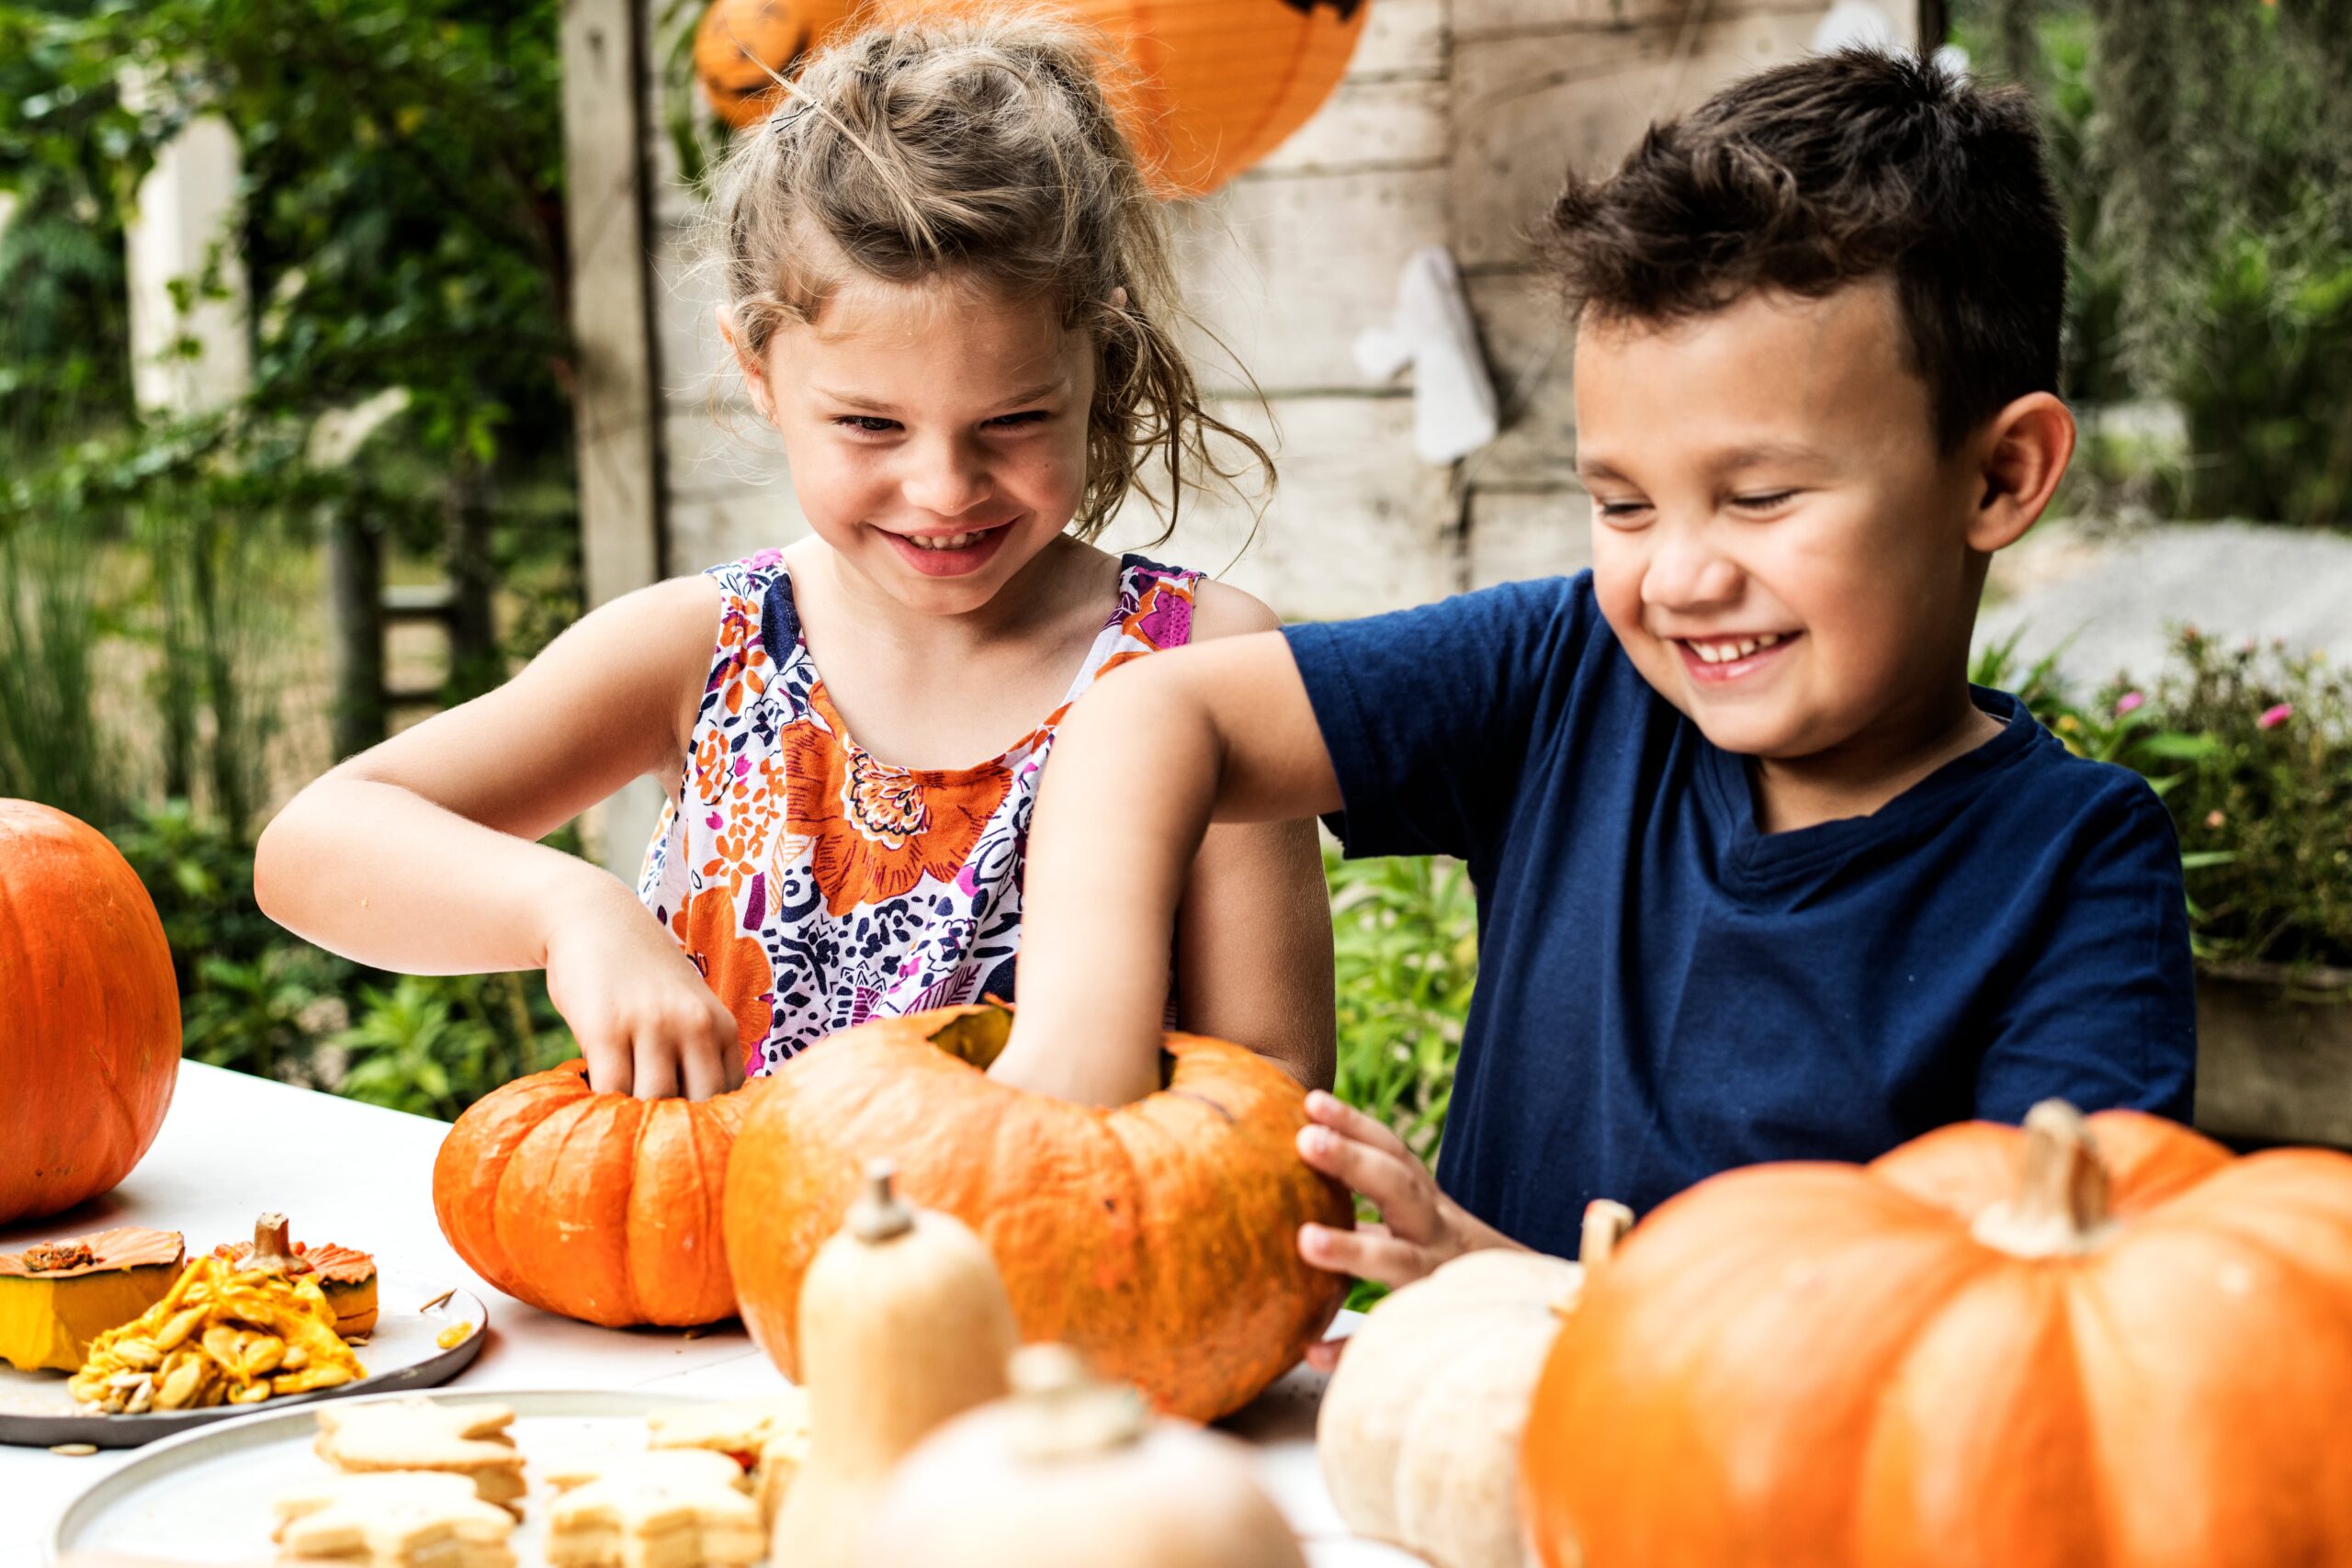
1369	1253
1328	1109
1323	1355
1406	1196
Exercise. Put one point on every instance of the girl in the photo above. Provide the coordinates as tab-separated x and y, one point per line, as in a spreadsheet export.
949	292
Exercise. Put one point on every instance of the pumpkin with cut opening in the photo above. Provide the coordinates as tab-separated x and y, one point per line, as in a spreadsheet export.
2087	1341
1159	1238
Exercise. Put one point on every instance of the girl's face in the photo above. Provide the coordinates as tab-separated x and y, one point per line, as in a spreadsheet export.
936	432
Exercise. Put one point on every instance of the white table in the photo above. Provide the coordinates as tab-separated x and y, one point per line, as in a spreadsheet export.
234	1145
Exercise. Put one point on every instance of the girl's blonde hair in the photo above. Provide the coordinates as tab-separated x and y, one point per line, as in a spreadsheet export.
981	149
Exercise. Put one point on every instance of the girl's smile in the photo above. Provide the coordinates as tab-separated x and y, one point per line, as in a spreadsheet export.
936	554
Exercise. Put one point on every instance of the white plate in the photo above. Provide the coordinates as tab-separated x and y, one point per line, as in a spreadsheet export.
204	1496
38	1410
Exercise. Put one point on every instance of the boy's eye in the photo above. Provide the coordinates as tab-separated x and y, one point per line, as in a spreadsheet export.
1620	510
867	423
1763	503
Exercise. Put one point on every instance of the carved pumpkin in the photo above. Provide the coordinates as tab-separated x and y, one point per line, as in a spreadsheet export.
597	1206
1216	84
1069	1473
1160	1237
1419	1433
56	1297
90	1014
1811	1363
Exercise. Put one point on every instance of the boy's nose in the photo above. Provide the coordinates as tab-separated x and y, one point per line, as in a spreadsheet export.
1684	573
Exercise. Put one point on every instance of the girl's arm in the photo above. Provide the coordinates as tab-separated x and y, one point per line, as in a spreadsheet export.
418	854
1221	731
1253	931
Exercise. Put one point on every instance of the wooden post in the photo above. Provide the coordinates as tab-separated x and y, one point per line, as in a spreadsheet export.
616	393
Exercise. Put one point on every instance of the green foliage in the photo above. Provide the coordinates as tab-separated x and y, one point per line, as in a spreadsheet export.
432	1045
2203	152
1404	933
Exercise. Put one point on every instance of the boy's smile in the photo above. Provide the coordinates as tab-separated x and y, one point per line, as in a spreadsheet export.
1777	544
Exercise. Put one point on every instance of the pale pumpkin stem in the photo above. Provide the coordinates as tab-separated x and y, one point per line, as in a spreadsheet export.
1065	1412
1606	1221
273	1247
877	1216
2061	1208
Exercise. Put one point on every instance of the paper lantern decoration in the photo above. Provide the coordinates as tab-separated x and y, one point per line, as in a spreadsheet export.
1220	82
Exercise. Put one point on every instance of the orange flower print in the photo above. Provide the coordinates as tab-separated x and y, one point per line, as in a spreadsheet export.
876	830
734	966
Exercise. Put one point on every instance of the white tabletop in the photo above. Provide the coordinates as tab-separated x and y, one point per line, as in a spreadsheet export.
234	1145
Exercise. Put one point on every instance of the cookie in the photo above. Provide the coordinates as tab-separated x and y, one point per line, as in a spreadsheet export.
668	1508
415	1434
394	1519
768	1437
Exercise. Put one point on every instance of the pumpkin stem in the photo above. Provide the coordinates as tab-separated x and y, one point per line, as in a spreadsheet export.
1065	1412
2061	1207
877	1216
272	1248
1606	1221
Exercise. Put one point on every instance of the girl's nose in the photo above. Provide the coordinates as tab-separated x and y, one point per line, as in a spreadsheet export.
945	478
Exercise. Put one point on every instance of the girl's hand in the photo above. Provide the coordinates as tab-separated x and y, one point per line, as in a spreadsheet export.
1424	1226
645	1021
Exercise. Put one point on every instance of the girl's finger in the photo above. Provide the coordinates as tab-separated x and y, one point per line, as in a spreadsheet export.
705	1068
657	1067
1369	1253
611	1064
1404	1194
1328	1109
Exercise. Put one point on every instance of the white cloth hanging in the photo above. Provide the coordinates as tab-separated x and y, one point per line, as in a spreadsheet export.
1454	408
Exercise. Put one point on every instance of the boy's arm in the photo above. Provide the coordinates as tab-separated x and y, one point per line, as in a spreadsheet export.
1219	732
2105	1015
418	854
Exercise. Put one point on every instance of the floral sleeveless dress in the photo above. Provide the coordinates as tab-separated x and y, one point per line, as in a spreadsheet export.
815	887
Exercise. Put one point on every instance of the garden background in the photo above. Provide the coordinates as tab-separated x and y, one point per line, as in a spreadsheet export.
177	591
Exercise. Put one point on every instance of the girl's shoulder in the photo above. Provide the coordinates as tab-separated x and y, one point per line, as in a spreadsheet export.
1211	609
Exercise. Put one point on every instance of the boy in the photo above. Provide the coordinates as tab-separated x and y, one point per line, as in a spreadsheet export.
1761	874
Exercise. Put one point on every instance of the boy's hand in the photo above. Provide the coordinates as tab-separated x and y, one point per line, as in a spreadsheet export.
1424	1226
645	1021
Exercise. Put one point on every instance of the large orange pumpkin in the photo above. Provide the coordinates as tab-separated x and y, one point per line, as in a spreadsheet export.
90	1014
1990	1347
598	1206
1217	84
1161	1237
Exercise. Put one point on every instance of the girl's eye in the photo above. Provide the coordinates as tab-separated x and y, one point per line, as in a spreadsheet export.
867	424
1026	416
1763	503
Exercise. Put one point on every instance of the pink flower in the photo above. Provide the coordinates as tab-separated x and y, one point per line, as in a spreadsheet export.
2127	702
2272	718
2215	818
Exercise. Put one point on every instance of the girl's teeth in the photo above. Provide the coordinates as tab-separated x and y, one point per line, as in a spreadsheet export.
954	542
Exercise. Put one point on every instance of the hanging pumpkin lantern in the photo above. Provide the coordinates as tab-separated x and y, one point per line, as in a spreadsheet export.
1161	1237
1216	84
89	1013
1812	1363
597	1206
1419	1433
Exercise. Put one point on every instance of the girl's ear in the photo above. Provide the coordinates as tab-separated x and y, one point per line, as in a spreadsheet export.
755	375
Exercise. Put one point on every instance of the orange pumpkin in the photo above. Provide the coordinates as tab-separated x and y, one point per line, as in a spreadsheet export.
598	1206
1930	1361
1161	1237
1217	84
90	1014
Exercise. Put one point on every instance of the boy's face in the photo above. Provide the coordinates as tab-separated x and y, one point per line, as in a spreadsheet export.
1776	541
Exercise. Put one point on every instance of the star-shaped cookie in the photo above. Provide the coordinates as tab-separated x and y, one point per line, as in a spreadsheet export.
394	1519
422	1435
769	1437
664	1508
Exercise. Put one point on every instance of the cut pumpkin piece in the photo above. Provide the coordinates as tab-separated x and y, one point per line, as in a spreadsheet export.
55	1298
346	1277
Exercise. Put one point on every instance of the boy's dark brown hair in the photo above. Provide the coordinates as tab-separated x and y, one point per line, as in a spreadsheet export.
1845	166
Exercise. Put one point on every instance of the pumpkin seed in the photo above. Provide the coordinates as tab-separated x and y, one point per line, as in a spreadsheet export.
74	1450
138	1353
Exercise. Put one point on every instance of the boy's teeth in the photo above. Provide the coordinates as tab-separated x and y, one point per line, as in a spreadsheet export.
1724	652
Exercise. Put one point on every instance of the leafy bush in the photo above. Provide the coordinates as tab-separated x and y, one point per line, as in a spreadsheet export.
1405	941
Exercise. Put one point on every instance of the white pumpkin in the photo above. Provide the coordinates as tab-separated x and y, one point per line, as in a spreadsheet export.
1071	1473
1419	1433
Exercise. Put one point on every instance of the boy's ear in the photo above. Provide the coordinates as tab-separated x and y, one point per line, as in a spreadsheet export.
2025	452
755	375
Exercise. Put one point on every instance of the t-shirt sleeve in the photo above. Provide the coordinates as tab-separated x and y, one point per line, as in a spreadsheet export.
2104	1014
1428	713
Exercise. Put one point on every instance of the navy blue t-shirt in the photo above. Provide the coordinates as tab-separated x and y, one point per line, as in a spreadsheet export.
1665	991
